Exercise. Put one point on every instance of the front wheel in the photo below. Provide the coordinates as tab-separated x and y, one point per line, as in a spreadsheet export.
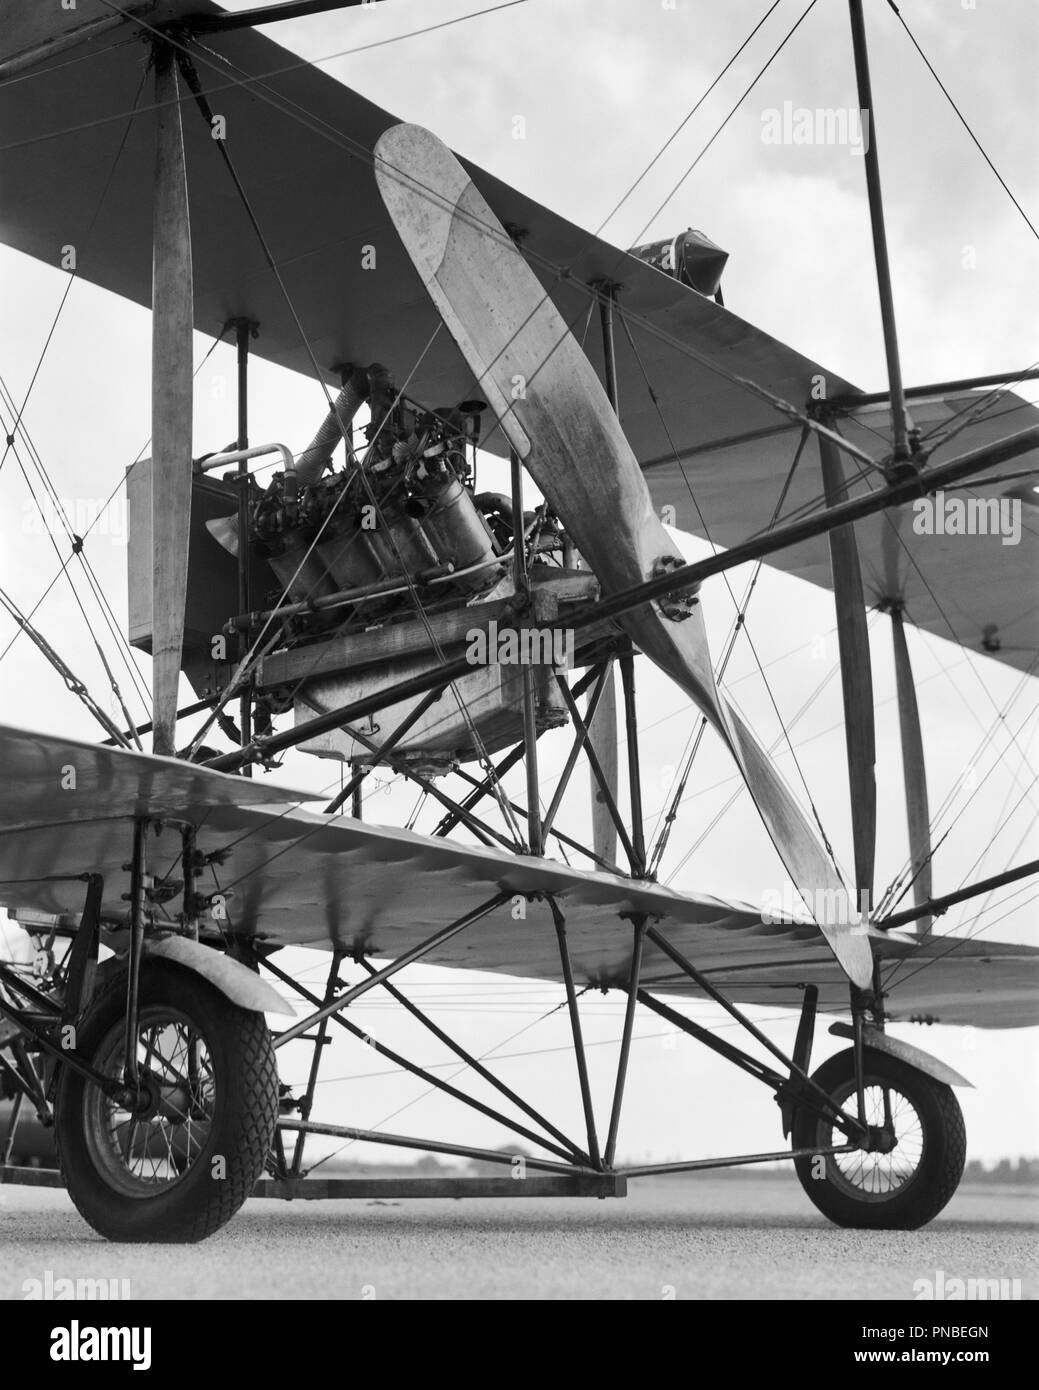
903	1187
179	1167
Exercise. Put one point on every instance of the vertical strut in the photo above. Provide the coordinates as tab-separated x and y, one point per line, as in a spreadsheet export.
914	769
172	320
243	327
856	674
138	870
306	1105
631	729
530	730
603	730
876	215
638	938
578	1036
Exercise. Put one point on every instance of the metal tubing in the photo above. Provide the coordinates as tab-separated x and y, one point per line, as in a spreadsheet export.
378	588
12	1128
415	1070
725	1049
402	1141
189	868
558	834
108	1084
600	777
858	1014
245	708
934	907
146	728
354	784
306	1105
138	868
906	490
477	1065
937	388
687	968
408	958
449	821
29	1079
575	1029
479	828
243	453
535	838
739	1161
38	1001
876	217
607	294
575	751
222	23
631	734
638	938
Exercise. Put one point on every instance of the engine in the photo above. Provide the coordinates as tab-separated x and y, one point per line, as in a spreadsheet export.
404	517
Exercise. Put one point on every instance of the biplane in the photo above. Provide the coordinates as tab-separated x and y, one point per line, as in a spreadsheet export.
228	185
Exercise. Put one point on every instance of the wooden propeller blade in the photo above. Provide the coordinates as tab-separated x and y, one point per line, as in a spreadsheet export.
542	388
172	310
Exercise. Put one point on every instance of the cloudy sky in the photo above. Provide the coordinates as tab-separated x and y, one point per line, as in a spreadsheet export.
600	85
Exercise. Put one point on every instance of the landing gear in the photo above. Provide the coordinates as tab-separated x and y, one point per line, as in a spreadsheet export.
177	1164
916	1148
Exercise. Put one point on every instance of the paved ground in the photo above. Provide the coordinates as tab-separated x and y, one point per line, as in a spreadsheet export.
698	1238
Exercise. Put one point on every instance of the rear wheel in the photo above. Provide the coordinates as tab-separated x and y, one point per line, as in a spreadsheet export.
181	1166
905	1181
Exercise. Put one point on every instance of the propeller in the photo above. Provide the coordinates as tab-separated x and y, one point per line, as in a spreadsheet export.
542	388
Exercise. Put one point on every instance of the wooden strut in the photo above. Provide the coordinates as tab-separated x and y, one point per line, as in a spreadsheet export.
602	726
535	838
914	770
172	322
899	423
856	674
243	328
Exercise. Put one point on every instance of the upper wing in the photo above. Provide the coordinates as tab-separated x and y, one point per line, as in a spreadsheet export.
294	878
303	146
977	590
74	169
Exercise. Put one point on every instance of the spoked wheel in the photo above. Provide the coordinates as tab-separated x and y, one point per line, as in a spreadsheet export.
181	1165
916	1158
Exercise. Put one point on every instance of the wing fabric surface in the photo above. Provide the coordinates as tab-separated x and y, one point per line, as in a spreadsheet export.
557	417
63	143
300	879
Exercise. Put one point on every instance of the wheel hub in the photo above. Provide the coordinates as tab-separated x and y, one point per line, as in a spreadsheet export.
152	1099
880	1139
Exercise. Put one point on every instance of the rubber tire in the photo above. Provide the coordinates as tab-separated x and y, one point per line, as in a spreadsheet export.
246	1078
941	1161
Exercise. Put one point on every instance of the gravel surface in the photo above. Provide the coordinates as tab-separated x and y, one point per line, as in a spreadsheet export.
702	1238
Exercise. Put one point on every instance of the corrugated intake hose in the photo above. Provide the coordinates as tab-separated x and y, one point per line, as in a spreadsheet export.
316	457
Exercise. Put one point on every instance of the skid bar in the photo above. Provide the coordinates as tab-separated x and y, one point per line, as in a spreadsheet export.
536	1185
